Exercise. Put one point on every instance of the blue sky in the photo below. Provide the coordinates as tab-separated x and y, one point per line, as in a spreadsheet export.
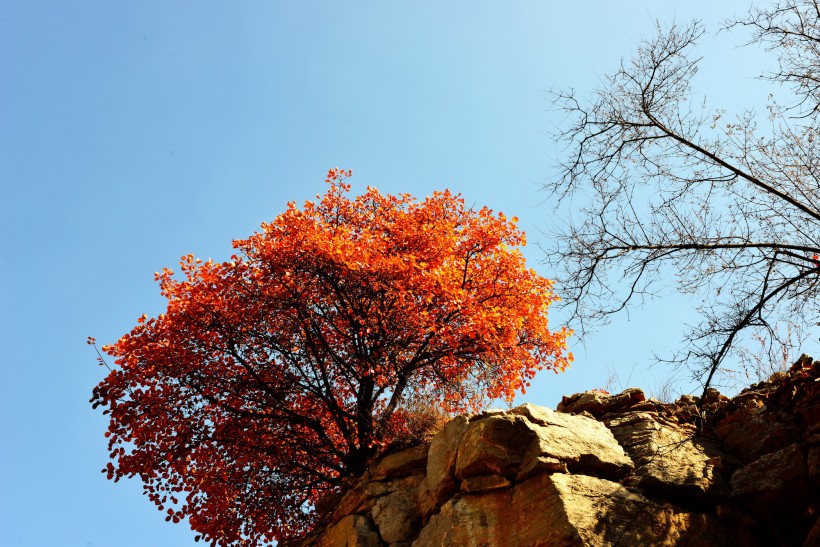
133	133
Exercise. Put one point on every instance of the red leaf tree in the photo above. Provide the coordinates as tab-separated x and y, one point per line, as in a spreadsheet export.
275	377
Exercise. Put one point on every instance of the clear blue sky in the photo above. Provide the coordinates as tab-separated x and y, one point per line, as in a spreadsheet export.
135	132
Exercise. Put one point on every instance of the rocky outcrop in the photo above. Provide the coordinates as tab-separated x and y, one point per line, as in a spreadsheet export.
602	470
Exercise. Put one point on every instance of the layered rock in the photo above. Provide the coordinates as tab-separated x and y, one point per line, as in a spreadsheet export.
602	470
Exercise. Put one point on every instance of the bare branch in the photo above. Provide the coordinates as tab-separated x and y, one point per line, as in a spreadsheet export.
669	190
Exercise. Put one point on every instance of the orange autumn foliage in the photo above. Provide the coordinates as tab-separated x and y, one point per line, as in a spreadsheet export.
274	377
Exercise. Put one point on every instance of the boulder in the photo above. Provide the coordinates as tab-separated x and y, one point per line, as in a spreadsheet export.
410	461
672	460
439	483
501	517
775	486
396	516
598	403
754	430
493	445
582	444
607	513
362	497
568	510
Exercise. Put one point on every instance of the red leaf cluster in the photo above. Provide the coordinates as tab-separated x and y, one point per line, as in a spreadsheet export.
274	377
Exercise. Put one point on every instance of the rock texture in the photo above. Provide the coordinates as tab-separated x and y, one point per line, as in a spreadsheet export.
602	470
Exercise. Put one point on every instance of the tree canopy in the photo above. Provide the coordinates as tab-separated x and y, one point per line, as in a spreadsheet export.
274	377
728	208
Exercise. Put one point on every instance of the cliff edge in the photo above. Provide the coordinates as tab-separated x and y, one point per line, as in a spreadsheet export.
602	470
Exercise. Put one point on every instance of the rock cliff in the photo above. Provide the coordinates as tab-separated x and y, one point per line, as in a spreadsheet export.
602	470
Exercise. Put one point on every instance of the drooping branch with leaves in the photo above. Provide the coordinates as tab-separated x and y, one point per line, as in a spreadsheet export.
275	377
670	189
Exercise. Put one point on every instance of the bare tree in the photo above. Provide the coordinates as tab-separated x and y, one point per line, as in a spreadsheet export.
669	189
